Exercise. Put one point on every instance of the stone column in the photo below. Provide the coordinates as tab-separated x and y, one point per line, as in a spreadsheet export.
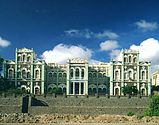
68	80
73	88
111	79
80	88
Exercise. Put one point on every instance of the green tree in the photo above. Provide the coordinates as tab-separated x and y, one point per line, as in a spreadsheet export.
153	109
131	90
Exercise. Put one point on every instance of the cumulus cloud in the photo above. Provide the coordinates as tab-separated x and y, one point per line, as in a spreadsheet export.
4	43
148	49
146	26
109	45
86	33
62	52
116	55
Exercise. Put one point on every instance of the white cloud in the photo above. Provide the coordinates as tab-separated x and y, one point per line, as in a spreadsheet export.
86	33
4	43
62	52
109	45
109	34
145	26
116	55
148	49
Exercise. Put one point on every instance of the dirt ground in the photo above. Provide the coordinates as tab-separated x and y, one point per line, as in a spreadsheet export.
81	124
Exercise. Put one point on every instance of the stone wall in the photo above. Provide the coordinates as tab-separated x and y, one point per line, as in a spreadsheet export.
73	105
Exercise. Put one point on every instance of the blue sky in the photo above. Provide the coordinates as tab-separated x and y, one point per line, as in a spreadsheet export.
51	26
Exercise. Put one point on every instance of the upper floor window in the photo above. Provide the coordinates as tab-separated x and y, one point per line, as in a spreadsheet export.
130	74
71	73
28	59
37	74
18	58
23	58
23	73
134	60
130	59
82	73
10	75
143	75
28	75
116	74
77	72
125	59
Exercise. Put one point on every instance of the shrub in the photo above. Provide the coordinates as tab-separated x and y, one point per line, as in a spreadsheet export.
130	114
153	109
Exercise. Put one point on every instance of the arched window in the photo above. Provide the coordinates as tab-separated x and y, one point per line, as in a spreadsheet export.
135	76
50	74
77	72
71	73
90	74
18	74
125	59
37	74
116	74
64	75
28	59
100	75
55	75
23	74
143	75
130	74
28	75
60	74
18	58
82	73
94	74
23	58
134	60
130	59
10	75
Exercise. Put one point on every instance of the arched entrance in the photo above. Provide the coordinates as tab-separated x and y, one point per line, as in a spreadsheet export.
117	92
37	91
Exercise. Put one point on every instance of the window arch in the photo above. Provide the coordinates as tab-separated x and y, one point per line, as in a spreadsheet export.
130	74
28	75
125	59
19	58
117	75
10	73
28	58
130	59
77	72
24	73
60	74
50	74
71	73
82	73
135	76
18	74
37	74
24	57
64	75
134	60
143	74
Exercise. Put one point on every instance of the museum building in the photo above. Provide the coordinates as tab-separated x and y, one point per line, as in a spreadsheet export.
77	76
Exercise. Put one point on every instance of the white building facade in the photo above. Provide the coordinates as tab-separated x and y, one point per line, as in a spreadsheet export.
77	76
